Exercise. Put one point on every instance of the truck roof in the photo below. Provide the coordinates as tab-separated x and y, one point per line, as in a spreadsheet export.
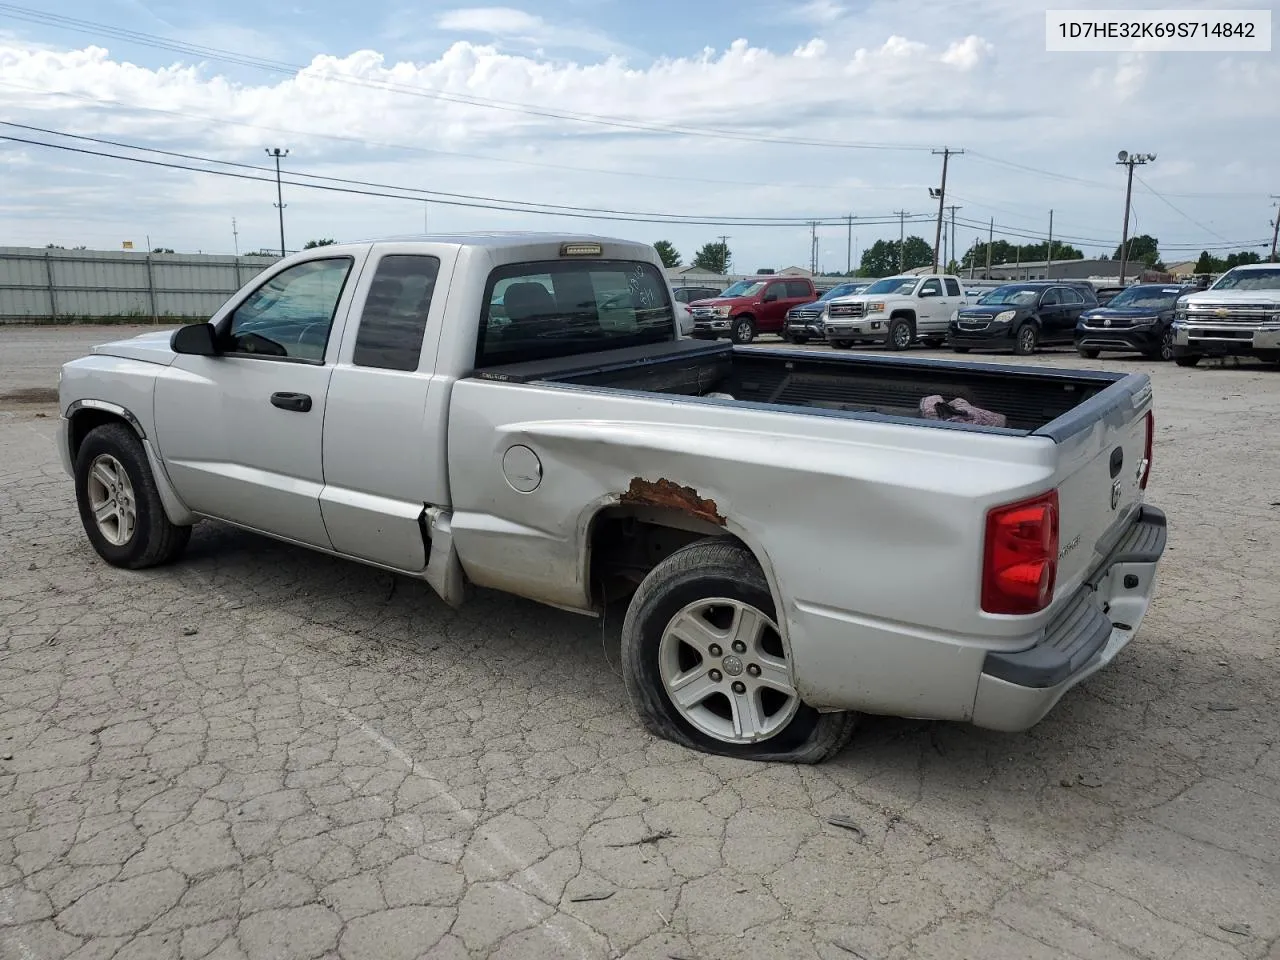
490	239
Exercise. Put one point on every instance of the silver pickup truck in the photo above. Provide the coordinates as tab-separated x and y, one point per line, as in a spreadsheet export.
799	537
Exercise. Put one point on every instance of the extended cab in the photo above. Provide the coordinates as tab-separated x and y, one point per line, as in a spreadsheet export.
1239	315
517	412
897	311
751	307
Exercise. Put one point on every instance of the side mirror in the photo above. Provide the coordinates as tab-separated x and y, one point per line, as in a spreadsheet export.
196	339
930	293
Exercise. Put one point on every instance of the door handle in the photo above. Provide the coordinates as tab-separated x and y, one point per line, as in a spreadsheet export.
298	402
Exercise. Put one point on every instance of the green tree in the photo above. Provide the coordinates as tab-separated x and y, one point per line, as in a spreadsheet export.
1208	263
1237	259
669	254
1142	249
312	244
713	257
881	258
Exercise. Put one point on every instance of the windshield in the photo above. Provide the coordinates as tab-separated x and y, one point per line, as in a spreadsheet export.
903	285
1010	296
744	288
560	308
1248	280
1148	298
843	290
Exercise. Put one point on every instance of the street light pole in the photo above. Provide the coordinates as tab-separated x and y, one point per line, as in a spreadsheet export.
279	154
1130	160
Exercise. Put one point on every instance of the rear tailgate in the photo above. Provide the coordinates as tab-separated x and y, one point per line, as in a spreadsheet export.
1103	453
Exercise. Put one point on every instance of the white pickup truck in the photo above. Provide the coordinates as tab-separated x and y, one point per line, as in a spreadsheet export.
896	311
1239	315
799	537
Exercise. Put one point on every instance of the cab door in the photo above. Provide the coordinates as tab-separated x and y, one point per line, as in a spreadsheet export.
240	432
385	429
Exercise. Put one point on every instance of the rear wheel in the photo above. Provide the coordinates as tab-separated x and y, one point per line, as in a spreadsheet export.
841	344
900	334
744	330
1026	341
1089	353
704	663
119	502
1190	360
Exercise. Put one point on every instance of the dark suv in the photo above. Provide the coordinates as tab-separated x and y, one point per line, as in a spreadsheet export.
1022	316
1139	319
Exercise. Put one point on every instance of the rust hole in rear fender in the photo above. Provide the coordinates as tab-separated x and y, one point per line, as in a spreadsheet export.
665	493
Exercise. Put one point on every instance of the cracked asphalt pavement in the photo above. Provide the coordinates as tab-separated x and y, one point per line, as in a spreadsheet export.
261	752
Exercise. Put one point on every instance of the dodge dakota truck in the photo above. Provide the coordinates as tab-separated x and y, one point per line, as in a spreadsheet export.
896	311
1239	315
517	412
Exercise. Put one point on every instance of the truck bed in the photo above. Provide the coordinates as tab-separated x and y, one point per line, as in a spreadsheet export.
1033	399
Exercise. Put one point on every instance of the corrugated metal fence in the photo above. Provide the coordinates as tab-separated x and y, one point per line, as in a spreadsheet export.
56	285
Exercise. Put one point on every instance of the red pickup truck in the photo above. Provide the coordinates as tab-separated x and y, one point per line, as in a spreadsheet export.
750	307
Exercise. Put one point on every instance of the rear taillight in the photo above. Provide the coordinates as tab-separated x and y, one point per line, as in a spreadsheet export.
1150	447
1020	557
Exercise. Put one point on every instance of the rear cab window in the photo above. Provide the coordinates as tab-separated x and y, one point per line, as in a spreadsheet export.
562	308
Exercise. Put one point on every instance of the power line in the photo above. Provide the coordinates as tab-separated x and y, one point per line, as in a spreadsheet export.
283	67
1184	216
360	188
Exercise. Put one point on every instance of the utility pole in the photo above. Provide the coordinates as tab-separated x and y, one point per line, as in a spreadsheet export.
1275	228
279	155
991	233
235	234
813	247
426	210
724	242
1049	257
849	248
1126	159
902	229
952	247
947	154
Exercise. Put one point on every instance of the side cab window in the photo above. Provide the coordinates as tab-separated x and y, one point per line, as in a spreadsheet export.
290	316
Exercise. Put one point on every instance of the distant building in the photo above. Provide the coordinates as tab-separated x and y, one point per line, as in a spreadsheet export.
1060	270
1187	268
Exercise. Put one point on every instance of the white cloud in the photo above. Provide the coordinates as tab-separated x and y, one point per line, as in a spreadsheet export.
516	26
893	74
821	12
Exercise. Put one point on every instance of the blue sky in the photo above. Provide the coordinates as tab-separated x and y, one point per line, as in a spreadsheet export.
379	100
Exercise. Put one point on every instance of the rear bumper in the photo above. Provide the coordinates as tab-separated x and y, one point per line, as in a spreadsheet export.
847	661
1142	339
1016	690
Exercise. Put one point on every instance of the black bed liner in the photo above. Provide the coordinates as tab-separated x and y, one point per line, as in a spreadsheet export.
1049	401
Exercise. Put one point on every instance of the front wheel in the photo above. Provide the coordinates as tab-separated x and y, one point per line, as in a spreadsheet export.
1165	350
744	330
1089	353
1027	340
1188	361
119	502
900	336
704	663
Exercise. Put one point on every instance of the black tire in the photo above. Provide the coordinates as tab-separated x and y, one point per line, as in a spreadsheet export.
744	330
933	343
840	344
800	340
1188	361
960	349
1089	353
1026	340
712	568
154	539
1165	350
900	334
